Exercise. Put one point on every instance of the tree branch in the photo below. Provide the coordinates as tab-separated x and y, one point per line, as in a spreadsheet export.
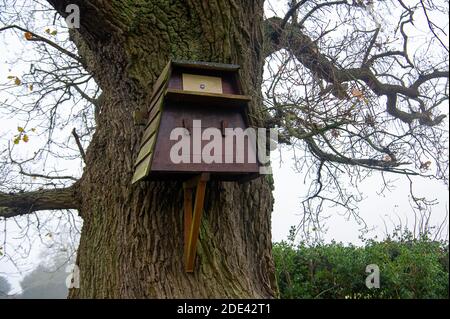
319	6
431	25
80	146
38	38
371	44
292	11
381	165
17	204
307	52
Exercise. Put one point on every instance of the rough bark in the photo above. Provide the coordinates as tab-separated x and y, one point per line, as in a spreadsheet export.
132	238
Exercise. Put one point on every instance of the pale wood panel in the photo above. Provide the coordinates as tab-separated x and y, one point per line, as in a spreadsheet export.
151	129
142	169
146	149
202	83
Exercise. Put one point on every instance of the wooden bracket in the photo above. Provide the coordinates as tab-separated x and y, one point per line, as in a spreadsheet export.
192	219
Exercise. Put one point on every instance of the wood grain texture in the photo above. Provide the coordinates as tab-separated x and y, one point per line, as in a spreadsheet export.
194	229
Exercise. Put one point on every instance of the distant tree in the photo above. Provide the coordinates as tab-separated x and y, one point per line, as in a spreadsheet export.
47	281
5	287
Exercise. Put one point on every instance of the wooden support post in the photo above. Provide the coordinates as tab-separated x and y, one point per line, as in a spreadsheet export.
192	220
187	216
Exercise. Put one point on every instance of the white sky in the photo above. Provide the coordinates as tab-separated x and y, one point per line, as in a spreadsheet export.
290	188
391	209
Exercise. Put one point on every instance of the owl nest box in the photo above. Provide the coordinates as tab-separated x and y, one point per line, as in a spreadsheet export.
195	96
192	100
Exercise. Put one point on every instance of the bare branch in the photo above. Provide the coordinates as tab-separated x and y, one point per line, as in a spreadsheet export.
320	6
432	26
372	43
17	204
80	146
37	38
292	12
307	52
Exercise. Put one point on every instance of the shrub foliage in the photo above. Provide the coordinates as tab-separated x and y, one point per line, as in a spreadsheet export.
409	268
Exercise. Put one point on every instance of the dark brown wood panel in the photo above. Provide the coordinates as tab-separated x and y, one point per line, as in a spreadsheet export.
176	80
173	117
197	65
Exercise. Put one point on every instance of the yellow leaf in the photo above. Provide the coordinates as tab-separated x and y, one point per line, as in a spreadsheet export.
31	87
54	32
47	30
28	35
17	140
25	138
20	129
17	81
33	130
358	94
10	77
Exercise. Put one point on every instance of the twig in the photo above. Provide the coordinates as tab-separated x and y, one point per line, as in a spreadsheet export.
80	147
37	38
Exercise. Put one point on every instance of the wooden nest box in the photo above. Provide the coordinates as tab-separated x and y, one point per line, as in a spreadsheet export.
189	98
188	95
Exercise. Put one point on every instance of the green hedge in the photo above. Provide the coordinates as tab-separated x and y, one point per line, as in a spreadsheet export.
409	268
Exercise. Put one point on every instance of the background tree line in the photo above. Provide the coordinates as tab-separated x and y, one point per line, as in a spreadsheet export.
409	268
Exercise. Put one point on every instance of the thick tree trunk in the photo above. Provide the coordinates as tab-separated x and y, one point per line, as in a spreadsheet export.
132	239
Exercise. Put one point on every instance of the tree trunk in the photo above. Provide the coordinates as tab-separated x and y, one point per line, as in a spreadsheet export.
132	239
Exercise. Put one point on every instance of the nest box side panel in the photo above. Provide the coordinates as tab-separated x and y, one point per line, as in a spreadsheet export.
162	79
145	156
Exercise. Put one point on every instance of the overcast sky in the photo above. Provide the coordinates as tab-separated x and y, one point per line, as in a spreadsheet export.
382	213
